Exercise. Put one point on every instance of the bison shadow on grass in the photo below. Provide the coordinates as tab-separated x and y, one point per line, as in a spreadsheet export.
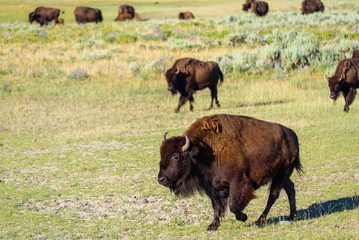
318	210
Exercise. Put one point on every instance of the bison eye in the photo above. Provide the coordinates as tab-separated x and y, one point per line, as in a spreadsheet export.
176	157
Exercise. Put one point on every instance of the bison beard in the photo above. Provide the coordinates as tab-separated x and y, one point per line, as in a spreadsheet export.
227	156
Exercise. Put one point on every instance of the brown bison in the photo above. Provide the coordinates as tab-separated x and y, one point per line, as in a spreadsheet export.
310	6
61	21
44	15
188	75
231	156
127	12
86	14
346	80
260	8
356	54
185	15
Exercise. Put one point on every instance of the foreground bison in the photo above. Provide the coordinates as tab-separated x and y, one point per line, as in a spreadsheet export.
188	75
310	6
86	14
231	156
346	80
44	15
185	15
260	8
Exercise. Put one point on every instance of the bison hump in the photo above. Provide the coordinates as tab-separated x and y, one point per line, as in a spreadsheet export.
211	125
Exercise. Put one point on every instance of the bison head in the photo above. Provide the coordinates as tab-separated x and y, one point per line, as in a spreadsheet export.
176	165
246	6
32	17
171	78
335	85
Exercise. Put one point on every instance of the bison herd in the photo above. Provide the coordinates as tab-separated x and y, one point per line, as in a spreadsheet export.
225	156
44	15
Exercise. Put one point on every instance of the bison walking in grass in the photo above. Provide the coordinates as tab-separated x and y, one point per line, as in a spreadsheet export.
228	156
188	75
260	8
87	14
345	80
44	15
311	6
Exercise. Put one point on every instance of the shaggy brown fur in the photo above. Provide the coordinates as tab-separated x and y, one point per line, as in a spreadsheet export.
188	75
346	80
356	54
231	156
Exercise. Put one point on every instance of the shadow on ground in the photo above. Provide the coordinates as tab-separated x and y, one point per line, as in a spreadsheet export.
318	210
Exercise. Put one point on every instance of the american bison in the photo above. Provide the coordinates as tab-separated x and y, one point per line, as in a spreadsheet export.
260	8
187	75
44	15
346	80
61	21
356	54
231	156
127	12
186	15
86	14
311	6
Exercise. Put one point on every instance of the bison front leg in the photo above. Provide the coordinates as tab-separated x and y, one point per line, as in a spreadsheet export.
183	99
214	97
219	206
349	98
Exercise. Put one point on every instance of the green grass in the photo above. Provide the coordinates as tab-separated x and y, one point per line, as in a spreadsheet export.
78	155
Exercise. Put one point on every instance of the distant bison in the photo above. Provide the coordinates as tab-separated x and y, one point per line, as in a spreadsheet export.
86	14
260	8
356	54
231	156
44	15
187	75
346	80
127	12
61	21
310	6
185	15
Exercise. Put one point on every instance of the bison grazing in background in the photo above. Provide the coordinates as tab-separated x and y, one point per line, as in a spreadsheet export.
185	15
125	12
346	80
231	156
44	15
61	21
310	6
188	75
356	54
260	8
86	14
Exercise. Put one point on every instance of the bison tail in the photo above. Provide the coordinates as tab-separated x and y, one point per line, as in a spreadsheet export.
298	166
220	76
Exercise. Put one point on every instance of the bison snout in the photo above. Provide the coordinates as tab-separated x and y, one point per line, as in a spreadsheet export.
163	181
333	96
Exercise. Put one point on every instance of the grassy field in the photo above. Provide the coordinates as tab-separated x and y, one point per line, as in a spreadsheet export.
83	110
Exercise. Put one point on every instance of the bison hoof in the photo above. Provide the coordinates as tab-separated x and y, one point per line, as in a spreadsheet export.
176	110
261	221
293	217
213	227
346	109
241	217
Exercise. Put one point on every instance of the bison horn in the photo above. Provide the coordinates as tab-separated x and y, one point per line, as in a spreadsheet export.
186	145
177	70
164	136
326	77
